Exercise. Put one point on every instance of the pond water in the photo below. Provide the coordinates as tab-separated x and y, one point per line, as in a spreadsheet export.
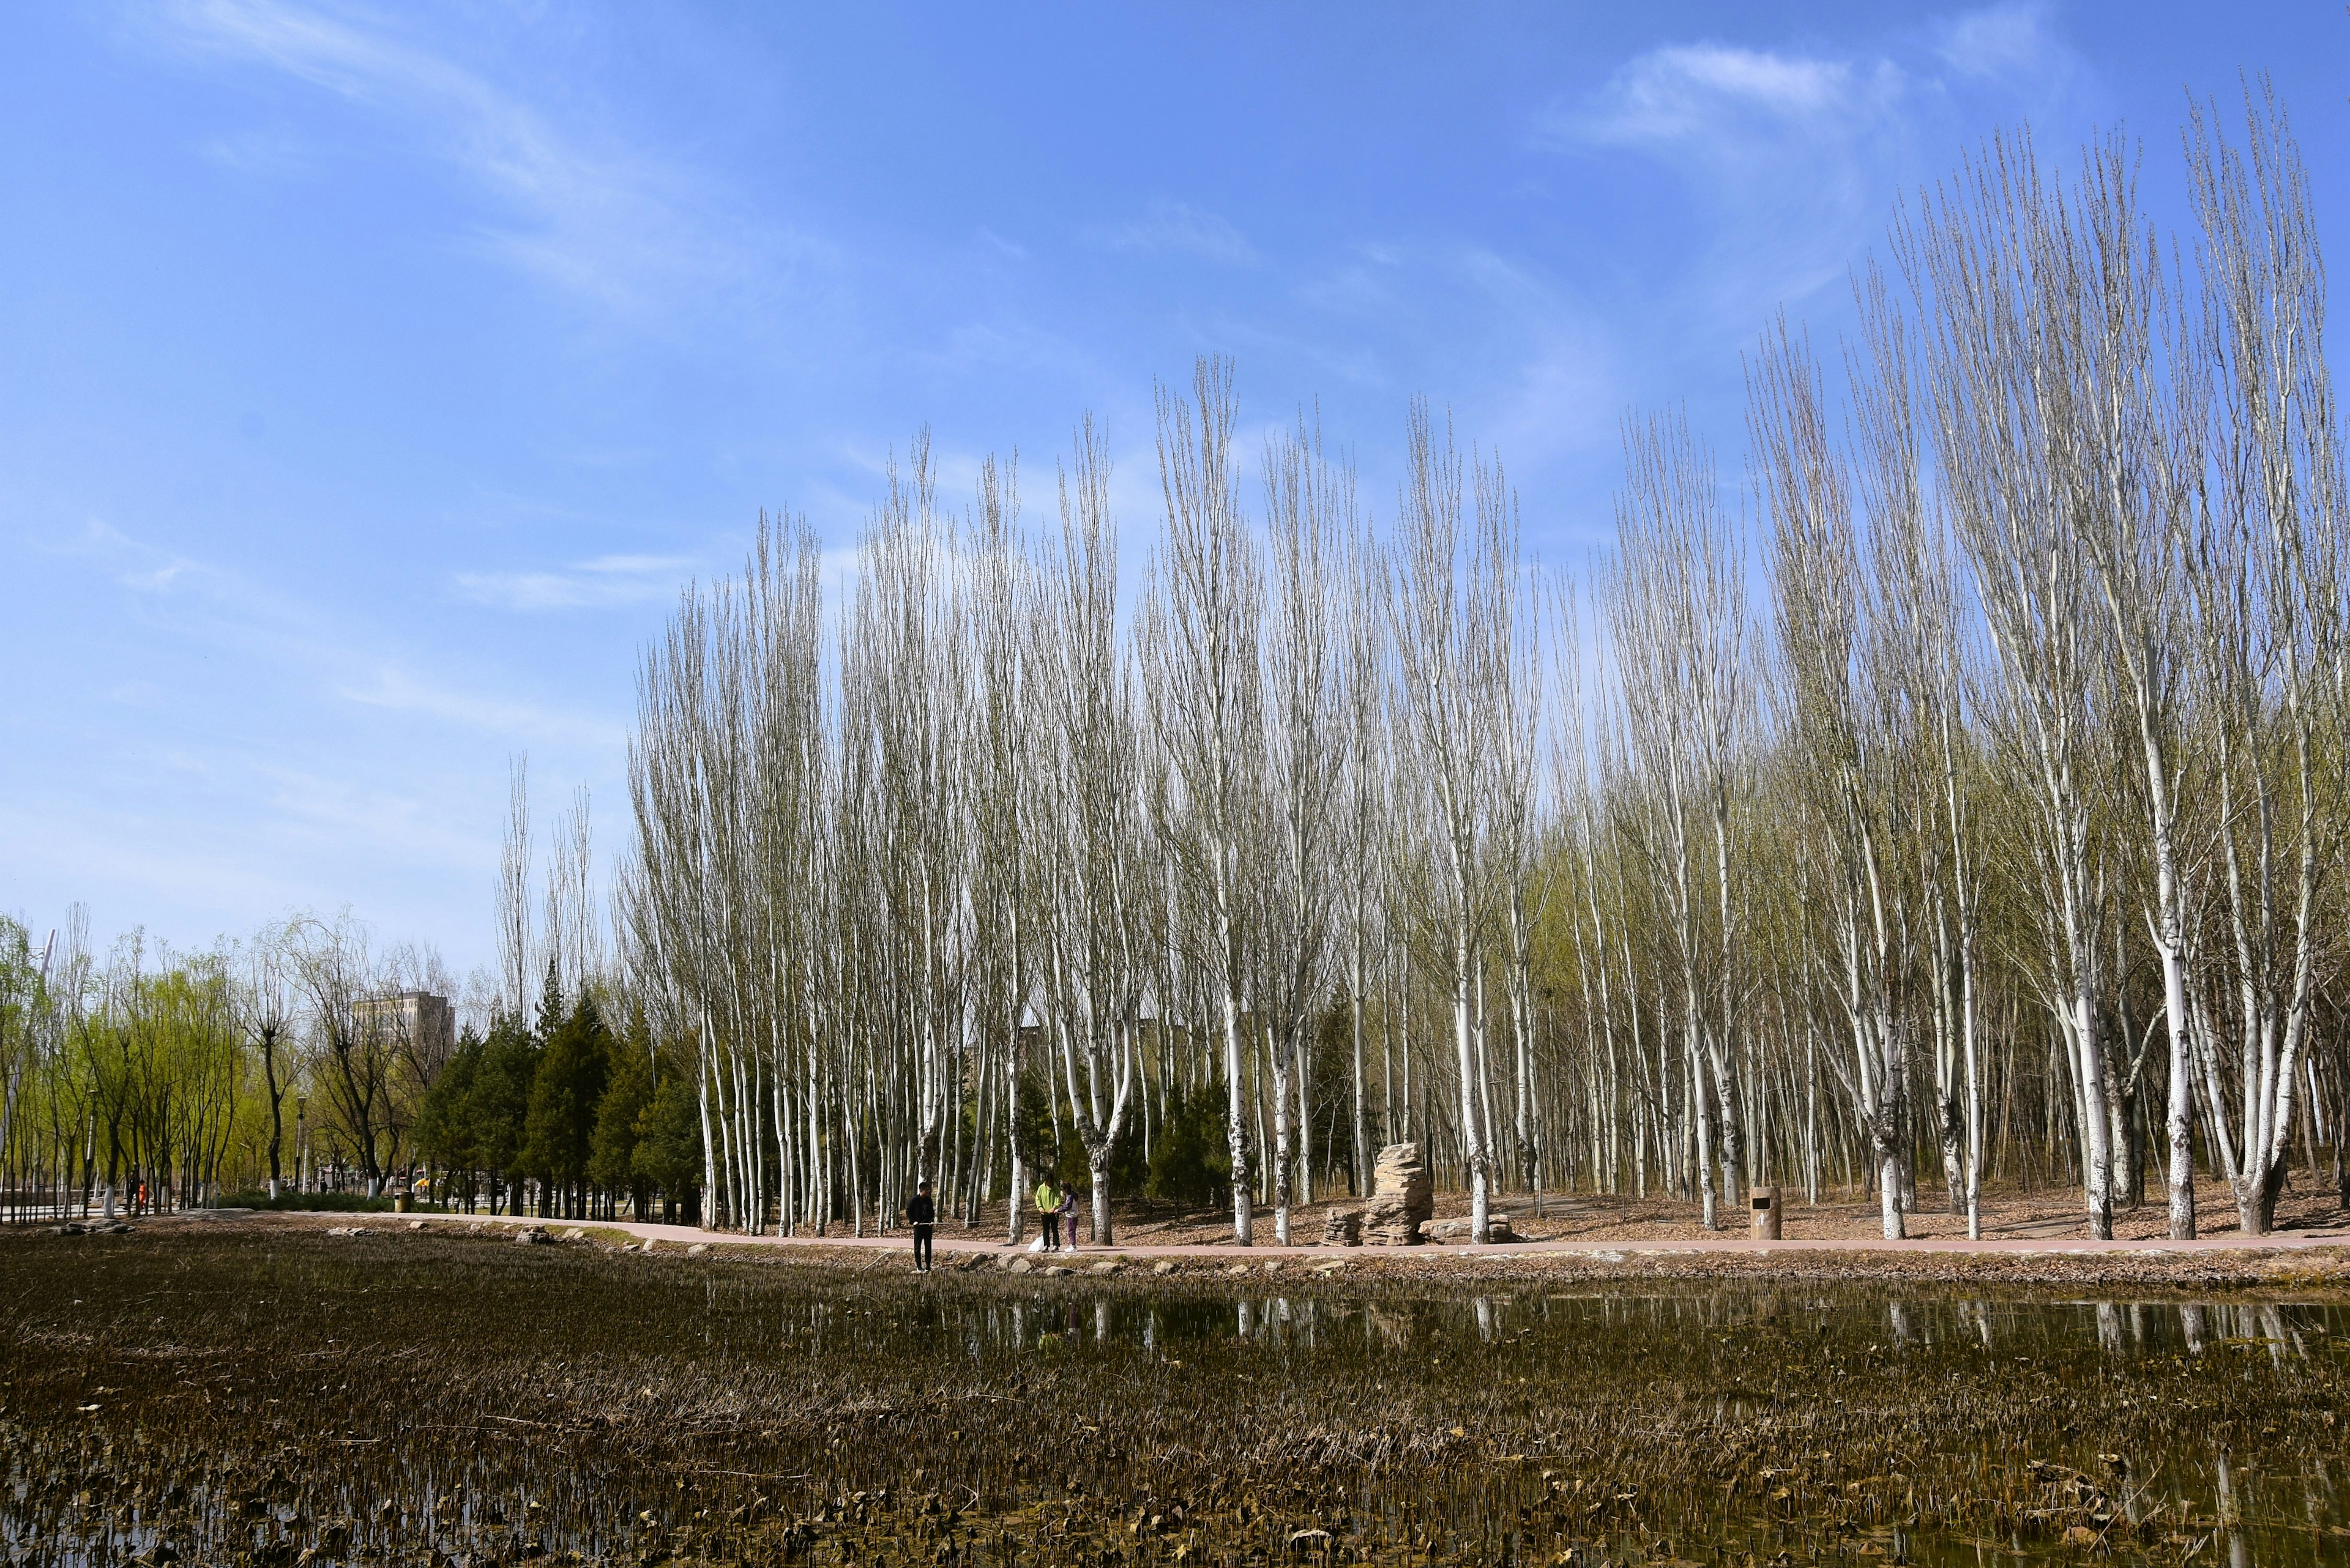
460	1404
2250	1512
1308	1321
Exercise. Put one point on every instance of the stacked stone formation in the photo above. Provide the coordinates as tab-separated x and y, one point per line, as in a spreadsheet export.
1344	1229
1403	1194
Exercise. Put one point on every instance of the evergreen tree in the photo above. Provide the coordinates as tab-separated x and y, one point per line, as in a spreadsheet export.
559	1127
627	1094
444	1131
669	1146
499	1103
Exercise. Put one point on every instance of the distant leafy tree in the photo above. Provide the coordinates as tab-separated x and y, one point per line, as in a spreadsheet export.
669	1146
1190	1161
627	1094
499	1103
444	1131
559	1127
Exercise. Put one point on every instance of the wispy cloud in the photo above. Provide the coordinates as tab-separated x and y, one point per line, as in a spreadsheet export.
271	153
394	687
212	604
1712	101
602	222
1795	154
2010	44
997	244
606	580
1174	228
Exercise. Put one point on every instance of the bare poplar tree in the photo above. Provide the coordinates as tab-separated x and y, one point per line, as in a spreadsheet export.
1002	725
1205	683
1367	757
1999	261
2134	456
1309	508
1930	645
1678	621
1095	855
1843	710
575	937
2267	574
1514	633
516	947
1440	608
902	665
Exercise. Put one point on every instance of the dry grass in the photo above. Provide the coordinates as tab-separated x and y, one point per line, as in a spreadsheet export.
254	1392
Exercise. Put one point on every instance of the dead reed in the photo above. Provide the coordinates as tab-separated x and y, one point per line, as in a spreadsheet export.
273	1396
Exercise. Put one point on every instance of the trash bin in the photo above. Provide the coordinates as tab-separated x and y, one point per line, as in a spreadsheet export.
400	1204
1766	1213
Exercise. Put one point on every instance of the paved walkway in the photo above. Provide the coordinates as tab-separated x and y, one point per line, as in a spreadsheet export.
953	1239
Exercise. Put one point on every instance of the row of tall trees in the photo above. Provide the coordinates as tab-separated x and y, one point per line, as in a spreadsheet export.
1968	807
179	1075
568	1116
300	1061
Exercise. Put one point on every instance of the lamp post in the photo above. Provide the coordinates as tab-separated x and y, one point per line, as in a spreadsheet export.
301	1142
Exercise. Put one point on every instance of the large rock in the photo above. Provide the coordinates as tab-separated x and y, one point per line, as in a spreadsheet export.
1403	1194
1344	1228
1497	1231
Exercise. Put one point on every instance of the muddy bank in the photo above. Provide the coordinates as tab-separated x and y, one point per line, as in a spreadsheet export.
2322	1269
262	1393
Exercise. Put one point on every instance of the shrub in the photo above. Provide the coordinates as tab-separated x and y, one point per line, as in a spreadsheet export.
1189	1163
327	1202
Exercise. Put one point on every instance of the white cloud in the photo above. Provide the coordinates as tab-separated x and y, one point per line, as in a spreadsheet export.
215	606
1711	99
600	222
606	580
2007	43
395	688
269	152
999	245
1174	228
1795	158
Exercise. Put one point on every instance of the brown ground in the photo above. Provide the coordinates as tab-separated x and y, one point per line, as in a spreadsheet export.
1610	1250
2053	1216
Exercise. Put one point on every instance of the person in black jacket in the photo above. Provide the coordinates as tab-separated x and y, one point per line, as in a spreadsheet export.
923	1213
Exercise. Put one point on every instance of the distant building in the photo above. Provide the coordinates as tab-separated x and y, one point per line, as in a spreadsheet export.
413	1021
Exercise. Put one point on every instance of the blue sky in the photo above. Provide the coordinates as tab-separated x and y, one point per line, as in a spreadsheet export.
371	379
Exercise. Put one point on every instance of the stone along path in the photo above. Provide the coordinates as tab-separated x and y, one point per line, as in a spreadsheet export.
950	1240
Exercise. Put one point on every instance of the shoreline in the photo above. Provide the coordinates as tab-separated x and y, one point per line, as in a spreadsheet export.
2319	1261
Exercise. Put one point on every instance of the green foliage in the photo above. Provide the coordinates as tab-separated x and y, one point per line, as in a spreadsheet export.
559	1123
1029	1115
444	1131
669	1138
500	1100
1063	1158
574	1108
627	1094
20	993
1191	1163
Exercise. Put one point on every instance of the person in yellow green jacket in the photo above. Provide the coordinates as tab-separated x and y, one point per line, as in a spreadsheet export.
1048	1210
